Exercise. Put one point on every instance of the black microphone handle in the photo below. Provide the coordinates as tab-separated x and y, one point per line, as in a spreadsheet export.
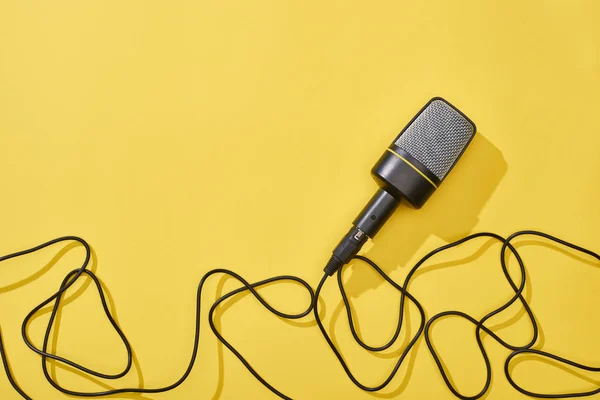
376	212
365	225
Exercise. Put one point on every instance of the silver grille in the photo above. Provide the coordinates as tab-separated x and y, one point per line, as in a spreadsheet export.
437	137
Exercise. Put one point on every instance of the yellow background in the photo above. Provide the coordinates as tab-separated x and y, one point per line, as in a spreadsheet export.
177	137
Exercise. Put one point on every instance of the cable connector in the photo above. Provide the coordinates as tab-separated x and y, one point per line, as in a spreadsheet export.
346	249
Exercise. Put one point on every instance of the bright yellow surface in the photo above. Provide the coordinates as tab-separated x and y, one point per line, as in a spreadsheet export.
177	137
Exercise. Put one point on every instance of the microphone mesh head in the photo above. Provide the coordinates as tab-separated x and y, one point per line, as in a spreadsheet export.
437	137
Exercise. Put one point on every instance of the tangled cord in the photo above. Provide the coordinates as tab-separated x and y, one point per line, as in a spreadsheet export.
424	326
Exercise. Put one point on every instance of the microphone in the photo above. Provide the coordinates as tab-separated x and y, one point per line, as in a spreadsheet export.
411	168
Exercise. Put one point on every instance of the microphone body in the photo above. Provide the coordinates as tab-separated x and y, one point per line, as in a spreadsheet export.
411	168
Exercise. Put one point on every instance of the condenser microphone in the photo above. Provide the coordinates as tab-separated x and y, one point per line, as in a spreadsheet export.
411	168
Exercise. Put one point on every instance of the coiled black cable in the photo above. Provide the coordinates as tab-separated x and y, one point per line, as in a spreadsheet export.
424	327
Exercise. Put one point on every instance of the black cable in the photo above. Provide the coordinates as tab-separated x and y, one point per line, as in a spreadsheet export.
424	327
76	274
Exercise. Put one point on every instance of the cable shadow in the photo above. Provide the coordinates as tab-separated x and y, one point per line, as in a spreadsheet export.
447	370
136	364
527	294
409	361
221	360
574	254
61	253
528	291
541	335
388	354
552	363
451	212
104	385
227	304
407	321
424	269
67	299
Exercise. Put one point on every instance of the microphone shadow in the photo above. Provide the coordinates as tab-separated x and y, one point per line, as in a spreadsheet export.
450	214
